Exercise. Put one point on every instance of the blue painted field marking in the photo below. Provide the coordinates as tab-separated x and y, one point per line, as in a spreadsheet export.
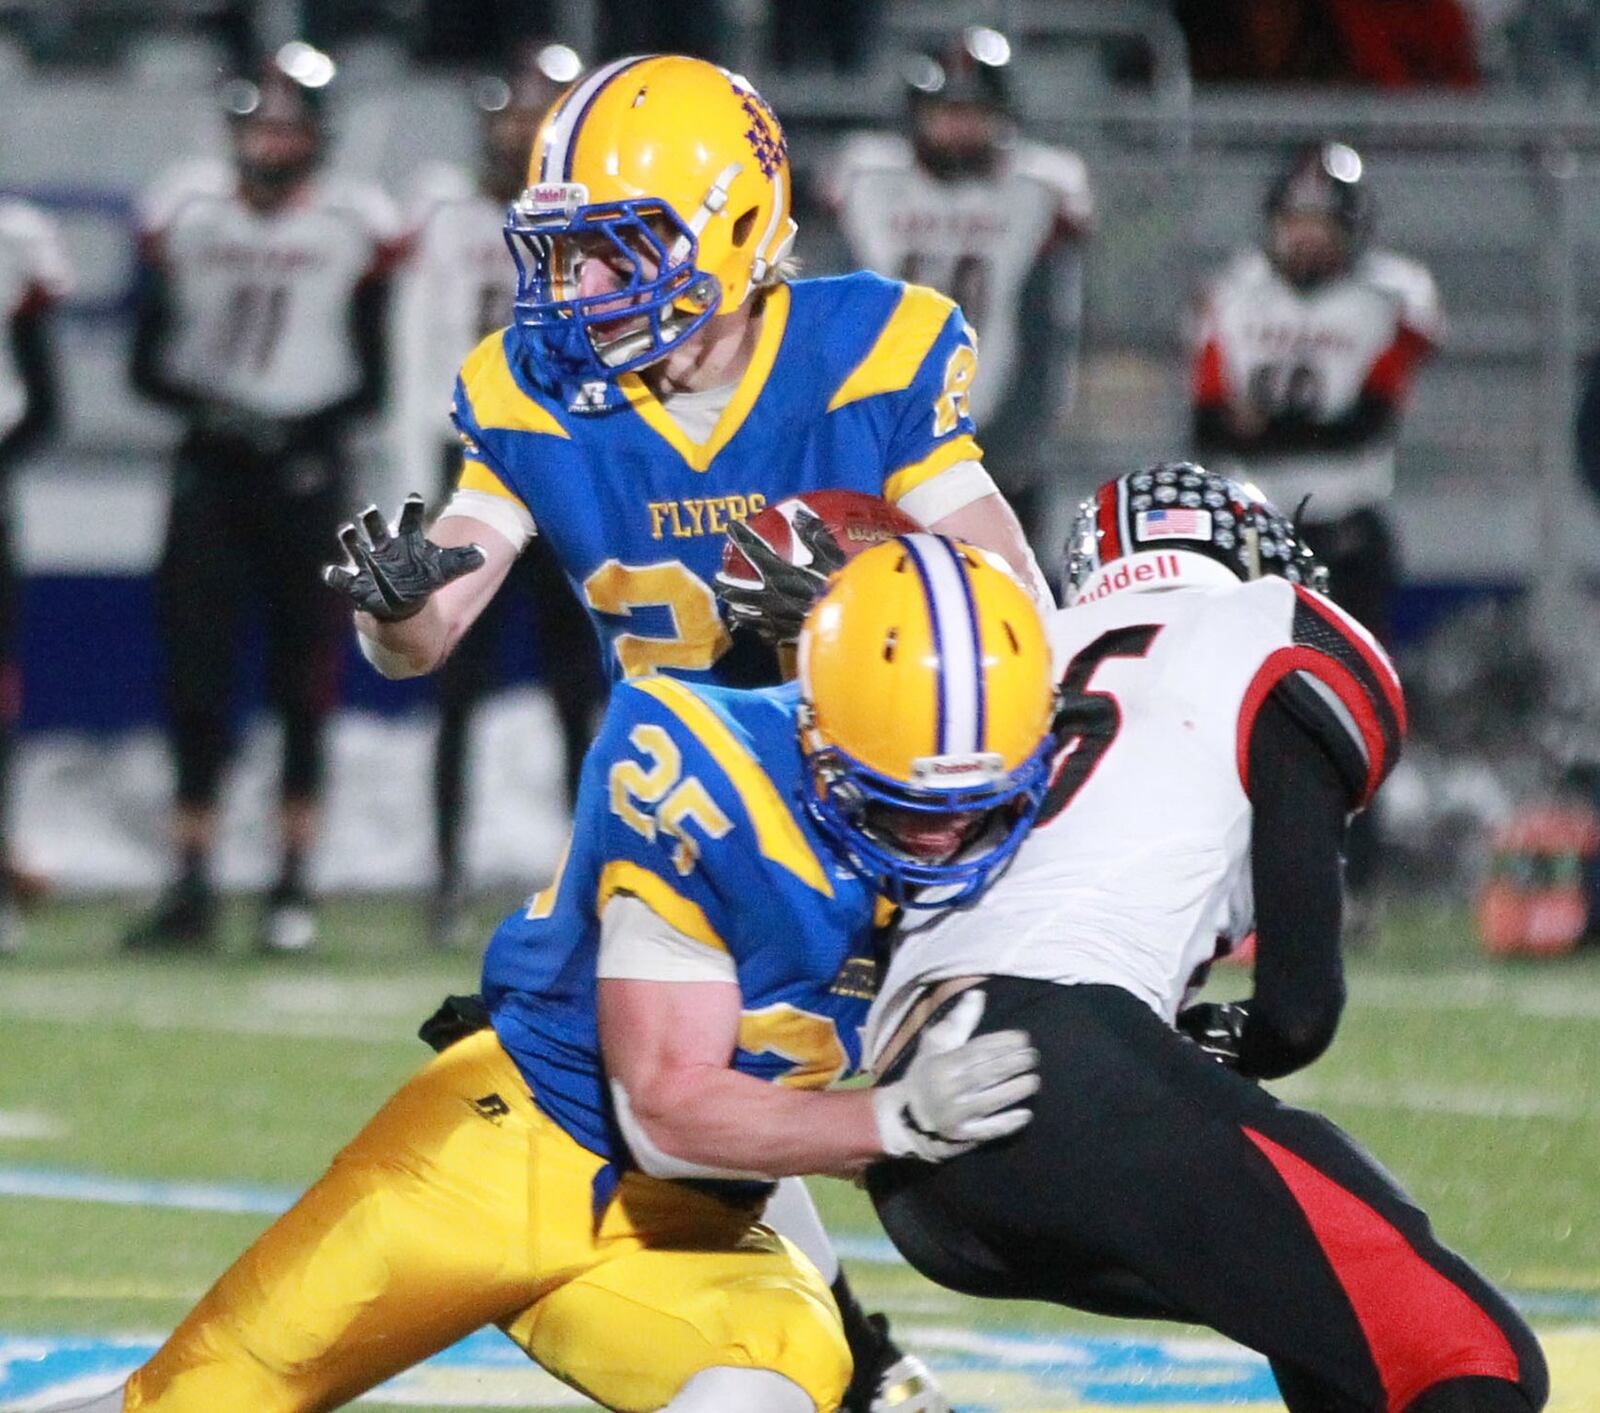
1075	1368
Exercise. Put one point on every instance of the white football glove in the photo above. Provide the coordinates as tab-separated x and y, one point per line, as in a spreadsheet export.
957	1092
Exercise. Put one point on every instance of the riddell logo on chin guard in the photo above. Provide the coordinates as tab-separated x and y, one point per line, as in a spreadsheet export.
1163	569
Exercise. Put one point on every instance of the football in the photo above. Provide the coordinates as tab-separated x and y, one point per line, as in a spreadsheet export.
857	521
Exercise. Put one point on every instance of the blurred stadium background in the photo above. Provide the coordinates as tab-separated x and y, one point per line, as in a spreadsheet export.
1474	1080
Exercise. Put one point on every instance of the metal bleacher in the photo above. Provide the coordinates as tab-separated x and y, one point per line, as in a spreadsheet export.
1500	195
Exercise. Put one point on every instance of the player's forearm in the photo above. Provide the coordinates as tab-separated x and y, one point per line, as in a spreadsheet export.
719	1118
991	524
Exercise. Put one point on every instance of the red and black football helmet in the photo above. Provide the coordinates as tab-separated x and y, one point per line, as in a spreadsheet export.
278	120
959	103
1325	183
1145	515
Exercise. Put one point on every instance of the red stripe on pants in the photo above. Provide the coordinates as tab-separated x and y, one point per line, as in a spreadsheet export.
1420	1327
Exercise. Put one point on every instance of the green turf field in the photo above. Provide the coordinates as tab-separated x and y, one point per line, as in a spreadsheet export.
1474	1083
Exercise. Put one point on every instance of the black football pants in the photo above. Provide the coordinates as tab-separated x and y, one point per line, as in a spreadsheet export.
248	534
1153	1183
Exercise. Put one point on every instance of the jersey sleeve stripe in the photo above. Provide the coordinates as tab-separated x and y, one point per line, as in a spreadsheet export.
940	459
1384	680
497	403
1357	700
683	914
475	476
777	835
905	340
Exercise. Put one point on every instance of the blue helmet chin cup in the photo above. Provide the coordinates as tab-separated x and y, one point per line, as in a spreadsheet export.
848	789
566	339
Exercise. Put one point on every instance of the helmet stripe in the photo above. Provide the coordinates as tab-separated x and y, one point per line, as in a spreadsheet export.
1110	522
953	618
565	122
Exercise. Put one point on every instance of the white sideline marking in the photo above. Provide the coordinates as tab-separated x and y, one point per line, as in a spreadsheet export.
28	1123
1549	998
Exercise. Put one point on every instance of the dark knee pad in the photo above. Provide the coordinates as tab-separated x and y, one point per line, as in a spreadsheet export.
1475	1395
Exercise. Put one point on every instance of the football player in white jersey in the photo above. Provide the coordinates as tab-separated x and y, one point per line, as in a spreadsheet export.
456	288
964	204
1306	353
262	294
1220	719
1306	350
33	278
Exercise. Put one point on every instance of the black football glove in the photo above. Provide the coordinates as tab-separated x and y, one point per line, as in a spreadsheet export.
1217	1028
774	605
391	575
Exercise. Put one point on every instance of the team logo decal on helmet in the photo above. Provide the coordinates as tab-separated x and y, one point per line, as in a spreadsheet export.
674	175
1124	533
926	708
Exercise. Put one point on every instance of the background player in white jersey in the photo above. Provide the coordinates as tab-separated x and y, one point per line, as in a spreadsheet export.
964	204
1307	349
33	278
1219	720
457	287
262	294
1305	353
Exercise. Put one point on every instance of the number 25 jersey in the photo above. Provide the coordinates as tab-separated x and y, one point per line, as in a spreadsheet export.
856	383
690	804
1140	862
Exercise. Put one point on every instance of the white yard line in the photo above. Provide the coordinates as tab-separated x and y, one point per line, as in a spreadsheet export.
24	1124
1461	1100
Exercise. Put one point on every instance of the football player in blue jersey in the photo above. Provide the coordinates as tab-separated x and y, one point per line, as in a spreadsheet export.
590	1170
663	376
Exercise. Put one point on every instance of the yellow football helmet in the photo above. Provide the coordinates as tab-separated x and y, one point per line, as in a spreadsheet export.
926	703
678	173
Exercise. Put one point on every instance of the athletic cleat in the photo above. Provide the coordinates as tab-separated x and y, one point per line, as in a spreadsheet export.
892	1381
288	923
183	919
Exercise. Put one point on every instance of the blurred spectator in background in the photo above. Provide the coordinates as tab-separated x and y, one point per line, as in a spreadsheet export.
33	277
1305	352
479	34
1370	43
260	320
837	34
457	289
654	27
962	203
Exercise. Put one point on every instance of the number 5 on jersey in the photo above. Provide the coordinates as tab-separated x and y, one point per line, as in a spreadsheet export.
658	799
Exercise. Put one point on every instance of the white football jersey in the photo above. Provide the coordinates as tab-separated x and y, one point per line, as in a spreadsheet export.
33	269
456	287
1138	871
1314	350
261	301
977	239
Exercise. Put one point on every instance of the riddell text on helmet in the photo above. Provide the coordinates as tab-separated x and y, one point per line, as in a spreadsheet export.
1148	571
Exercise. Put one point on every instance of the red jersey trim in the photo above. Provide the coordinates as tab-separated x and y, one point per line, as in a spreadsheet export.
1391	375
1377	663
1210	381
1341	681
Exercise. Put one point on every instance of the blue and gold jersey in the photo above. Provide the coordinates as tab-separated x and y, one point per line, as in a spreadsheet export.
690	803
856	383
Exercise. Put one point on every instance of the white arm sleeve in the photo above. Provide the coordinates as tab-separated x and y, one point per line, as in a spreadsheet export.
953	489
510	517
638	945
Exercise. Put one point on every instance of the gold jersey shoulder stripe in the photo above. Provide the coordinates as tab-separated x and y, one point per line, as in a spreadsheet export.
900	348
778	835
475	476
683	914
497	402
941	458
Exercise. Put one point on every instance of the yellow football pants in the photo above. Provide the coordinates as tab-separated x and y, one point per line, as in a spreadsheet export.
461	1205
